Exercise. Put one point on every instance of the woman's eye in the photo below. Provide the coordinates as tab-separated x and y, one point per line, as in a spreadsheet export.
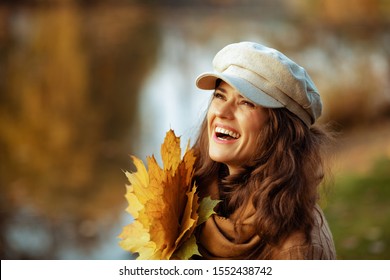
218	95
248	103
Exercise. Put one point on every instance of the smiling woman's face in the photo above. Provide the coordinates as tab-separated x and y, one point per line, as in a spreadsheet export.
234	123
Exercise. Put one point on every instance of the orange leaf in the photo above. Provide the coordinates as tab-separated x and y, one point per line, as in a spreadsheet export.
171	151
164	204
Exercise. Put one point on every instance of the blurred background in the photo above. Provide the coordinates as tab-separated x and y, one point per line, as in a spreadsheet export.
85	83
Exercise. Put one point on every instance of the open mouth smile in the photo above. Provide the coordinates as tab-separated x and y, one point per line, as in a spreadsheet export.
225	134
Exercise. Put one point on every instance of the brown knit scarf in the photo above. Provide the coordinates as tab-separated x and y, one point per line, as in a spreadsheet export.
221	238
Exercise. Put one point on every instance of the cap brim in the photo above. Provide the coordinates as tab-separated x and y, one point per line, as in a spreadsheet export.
207	81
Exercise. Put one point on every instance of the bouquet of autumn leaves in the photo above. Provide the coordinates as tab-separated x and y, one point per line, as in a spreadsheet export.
165	205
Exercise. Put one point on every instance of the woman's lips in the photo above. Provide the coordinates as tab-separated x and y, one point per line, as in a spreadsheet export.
224	134
226	131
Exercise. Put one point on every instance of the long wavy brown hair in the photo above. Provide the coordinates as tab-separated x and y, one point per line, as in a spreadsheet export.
281	180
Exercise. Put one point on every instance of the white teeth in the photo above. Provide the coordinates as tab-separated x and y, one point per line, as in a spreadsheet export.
227	132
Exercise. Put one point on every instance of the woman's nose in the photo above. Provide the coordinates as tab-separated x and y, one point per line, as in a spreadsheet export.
225	110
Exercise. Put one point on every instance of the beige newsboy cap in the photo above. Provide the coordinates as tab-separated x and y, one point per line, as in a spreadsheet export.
267	77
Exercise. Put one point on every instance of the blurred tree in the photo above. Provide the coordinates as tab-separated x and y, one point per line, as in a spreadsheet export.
335	12
69	99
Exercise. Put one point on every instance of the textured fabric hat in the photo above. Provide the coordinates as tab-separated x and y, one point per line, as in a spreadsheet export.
267	77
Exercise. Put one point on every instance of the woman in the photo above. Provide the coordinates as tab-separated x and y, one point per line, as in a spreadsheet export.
260	153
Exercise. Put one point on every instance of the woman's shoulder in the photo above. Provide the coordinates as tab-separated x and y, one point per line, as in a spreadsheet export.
321	235
320	247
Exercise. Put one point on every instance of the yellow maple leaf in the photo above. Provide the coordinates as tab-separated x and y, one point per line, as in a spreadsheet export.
164	205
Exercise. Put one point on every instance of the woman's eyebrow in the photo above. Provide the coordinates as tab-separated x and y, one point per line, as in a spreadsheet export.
221	89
